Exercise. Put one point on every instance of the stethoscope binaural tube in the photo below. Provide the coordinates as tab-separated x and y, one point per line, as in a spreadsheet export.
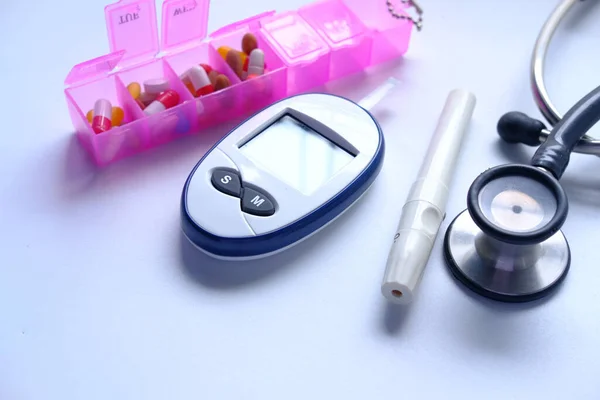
538	61
517	127
553	155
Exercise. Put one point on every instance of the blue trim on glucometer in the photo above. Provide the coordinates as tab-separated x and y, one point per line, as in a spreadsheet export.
287	235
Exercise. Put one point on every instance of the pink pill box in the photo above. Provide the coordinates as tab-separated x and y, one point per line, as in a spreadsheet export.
303	49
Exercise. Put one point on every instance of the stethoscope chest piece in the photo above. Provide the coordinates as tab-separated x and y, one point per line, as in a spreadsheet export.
508	245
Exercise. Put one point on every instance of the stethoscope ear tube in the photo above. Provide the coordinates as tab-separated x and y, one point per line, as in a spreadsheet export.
553	155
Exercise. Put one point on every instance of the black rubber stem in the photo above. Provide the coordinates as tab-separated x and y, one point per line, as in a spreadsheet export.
517	127
554	153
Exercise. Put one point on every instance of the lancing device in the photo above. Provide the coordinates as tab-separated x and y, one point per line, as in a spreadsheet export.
425	206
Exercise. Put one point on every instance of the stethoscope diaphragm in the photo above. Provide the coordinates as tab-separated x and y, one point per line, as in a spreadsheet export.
517	203
507	245
516	210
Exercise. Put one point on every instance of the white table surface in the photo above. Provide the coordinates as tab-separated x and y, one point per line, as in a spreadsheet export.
100	298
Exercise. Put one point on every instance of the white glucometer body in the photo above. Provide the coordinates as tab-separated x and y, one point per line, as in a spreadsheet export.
280	176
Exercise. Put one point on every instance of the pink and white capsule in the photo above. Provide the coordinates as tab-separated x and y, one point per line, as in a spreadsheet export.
256	65
102	116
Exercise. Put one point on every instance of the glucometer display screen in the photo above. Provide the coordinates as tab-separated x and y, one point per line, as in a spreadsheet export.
296	154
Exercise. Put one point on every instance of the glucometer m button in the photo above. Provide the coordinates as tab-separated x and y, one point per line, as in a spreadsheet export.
227	181
256	203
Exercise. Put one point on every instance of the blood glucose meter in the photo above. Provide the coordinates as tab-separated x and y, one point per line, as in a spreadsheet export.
281	176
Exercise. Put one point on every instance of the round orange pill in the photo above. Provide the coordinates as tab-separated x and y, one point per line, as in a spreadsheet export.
117	116
222	82
90	116
213	77
135	89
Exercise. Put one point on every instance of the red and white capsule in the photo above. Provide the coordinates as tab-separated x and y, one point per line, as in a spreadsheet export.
102	116
200	81
207	68
167	99
256	65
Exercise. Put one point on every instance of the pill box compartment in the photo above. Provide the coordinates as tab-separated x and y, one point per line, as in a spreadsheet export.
171	123
331	39
215	107
350	41
301	48
390	35
117	142
254	94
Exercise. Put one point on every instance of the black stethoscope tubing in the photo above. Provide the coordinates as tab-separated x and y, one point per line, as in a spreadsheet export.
517	127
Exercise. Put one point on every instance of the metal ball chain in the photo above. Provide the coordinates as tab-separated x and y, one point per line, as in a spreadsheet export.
418	22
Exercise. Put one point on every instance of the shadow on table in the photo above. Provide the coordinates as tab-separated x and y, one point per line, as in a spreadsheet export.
496	326
395	317
223	274
513	152
81	176
579	13
583	189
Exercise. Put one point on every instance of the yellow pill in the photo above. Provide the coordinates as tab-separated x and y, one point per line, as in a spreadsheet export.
90	116
223	50
117	116
243	56
135	89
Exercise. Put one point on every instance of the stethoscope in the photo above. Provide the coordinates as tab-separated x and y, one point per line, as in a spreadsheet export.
507	245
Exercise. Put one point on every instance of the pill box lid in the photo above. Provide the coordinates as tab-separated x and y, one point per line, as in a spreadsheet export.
334	21
132	27
94	68
183	21
297	41
250	23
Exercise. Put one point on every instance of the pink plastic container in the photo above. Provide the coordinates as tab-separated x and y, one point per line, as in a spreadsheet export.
303	50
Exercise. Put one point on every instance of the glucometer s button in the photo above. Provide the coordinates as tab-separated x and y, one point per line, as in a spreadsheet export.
227	181
256	203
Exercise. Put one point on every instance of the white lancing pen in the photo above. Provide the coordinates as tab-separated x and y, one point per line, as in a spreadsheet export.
425	207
